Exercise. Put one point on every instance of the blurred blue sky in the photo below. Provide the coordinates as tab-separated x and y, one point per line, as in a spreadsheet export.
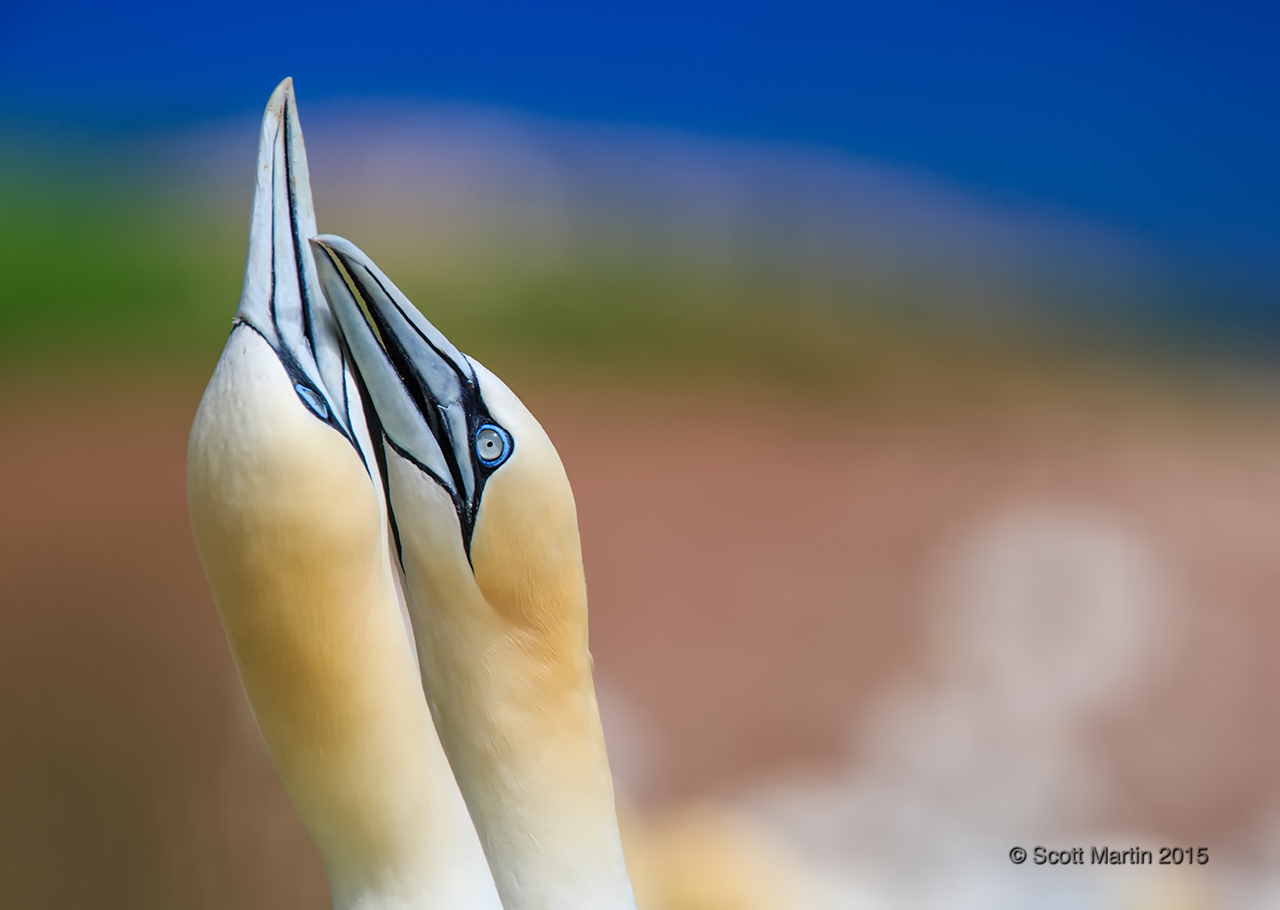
1160	121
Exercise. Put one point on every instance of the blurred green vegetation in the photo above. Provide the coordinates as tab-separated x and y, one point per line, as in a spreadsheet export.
111	271
119	271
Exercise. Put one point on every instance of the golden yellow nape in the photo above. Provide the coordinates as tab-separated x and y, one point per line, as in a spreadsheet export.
286	506
503	648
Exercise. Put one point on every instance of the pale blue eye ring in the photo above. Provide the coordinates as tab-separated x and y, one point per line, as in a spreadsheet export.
493	445
313	400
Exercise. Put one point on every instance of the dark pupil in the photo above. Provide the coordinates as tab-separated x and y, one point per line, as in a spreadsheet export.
489	445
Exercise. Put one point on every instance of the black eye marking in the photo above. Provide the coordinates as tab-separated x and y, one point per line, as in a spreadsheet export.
312	399
492	445
305	390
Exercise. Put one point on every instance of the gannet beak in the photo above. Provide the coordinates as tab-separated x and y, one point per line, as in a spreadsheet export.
423	388
281	299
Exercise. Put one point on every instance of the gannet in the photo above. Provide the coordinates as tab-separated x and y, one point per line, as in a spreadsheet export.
486	537
284	487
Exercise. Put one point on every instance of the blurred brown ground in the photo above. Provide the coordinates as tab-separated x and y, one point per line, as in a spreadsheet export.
757	570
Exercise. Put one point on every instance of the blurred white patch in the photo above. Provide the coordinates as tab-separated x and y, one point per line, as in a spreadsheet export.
1045	620
1051	612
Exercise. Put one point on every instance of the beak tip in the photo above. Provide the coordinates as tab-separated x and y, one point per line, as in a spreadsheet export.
282	97
341	248
331	240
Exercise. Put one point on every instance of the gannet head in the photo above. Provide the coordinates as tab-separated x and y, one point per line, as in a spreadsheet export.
487	538
284	492
510	507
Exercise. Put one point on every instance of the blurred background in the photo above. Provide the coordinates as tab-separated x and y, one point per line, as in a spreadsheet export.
915	369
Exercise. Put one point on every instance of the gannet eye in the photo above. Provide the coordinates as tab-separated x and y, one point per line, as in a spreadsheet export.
313	400
492	445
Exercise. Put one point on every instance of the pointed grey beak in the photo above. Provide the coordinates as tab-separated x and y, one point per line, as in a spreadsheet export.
282	299
423	389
